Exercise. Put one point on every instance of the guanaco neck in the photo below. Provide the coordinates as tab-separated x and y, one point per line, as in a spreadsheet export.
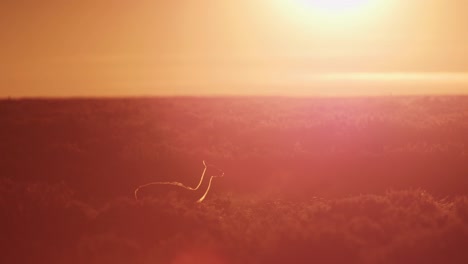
201	179
207	190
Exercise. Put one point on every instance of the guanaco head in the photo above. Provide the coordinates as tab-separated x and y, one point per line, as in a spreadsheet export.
217	172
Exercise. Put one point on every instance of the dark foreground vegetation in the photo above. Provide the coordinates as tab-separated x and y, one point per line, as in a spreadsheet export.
364	180
45	224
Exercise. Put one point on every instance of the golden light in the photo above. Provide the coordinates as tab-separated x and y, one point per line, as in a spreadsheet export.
330	14
335	6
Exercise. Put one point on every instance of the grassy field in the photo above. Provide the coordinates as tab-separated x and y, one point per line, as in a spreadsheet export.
310	180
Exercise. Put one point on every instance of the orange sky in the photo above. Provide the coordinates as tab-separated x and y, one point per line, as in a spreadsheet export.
117	48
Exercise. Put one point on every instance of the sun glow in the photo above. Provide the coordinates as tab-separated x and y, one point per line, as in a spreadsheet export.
335	6
329	14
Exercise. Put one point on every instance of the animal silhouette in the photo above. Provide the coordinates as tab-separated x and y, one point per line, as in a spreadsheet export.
167	190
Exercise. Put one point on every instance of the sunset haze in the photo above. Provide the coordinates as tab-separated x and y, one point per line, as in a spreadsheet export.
107	48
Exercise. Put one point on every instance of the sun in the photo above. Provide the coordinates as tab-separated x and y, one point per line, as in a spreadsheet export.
330	14
333	7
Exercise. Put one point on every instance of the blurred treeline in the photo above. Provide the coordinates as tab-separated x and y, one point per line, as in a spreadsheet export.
289	147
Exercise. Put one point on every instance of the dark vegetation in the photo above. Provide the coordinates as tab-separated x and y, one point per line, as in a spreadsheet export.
364	180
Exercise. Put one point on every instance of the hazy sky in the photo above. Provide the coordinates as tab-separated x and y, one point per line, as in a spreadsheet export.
104	47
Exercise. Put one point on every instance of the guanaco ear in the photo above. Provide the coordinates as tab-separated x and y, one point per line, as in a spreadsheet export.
221	173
